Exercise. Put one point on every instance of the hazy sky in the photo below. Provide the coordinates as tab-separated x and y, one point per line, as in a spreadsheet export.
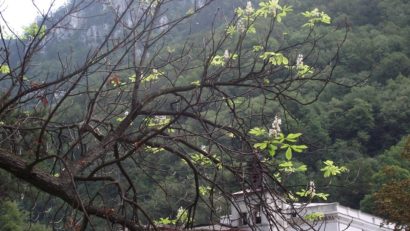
19	13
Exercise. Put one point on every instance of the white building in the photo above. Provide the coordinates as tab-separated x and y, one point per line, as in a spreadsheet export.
249	212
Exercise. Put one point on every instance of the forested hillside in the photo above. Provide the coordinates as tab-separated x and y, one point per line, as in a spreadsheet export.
366	126
186	104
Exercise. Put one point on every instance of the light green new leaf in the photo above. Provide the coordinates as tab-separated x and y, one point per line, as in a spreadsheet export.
287	167
303	193
286	164
288	153
322	196
240	12
298	148
231	30
196	83
256	131
303	70
332	170
274	58
272	150
182	215
133	78
281	138
284	146
302	168
268	8
285	10
153	150
165	221
153	76
4	69
204	190
200	159
261	146
315	16
120	119
257	48
293	135
251	30
277	176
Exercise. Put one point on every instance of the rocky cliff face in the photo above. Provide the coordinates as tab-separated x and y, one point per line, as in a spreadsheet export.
84	25
94	21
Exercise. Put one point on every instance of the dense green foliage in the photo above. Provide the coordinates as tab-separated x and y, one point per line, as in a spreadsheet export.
12	218
364	127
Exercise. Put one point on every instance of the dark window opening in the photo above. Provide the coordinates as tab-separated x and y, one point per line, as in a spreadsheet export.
256	214
258	218
244	217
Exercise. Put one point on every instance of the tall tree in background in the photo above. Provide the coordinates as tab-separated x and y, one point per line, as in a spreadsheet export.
390	196
91	124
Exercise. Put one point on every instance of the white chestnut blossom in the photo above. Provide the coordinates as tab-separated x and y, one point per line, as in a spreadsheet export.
204	148
299	61
312	188
275	130
226	55
316	12
241	26
273	7
249	9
